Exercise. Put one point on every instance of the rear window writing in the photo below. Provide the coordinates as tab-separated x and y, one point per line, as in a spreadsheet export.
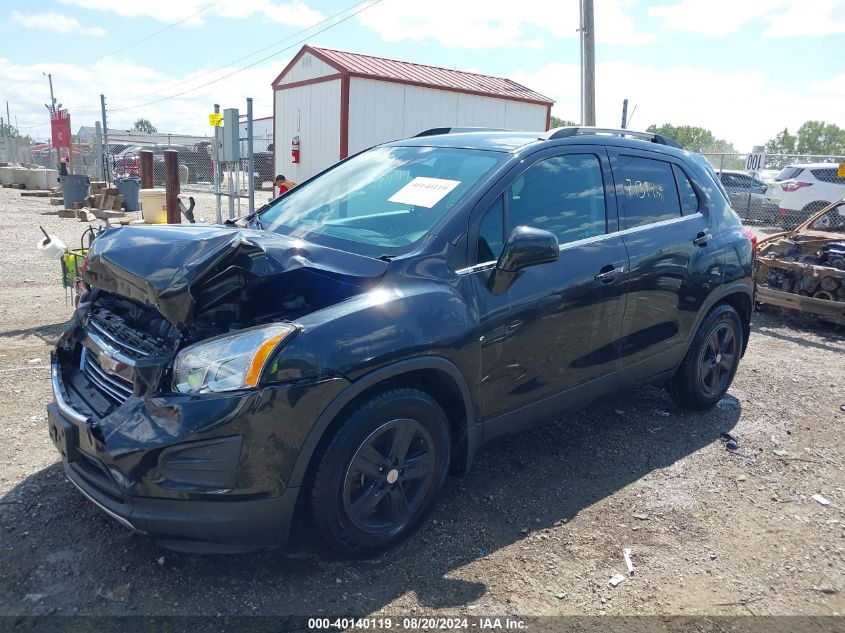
650	192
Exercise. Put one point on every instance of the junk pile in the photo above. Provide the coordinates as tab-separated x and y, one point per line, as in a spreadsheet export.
804	269
89	201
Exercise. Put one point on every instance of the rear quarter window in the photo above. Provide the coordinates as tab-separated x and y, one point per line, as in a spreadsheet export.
828	175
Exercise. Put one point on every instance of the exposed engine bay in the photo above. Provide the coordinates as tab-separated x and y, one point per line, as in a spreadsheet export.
209	280
804	269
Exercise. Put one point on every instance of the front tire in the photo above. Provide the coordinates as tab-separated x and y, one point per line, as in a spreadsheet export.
708	369
381	472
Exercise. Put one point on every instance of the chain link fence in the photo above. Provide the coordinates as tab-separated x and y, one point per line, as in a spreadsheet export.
15	150
196	166
785	191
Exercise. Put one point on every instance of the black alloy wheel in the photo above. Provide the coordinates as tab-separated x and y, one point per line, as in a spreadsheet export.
380	472
389	476
711	361
717	359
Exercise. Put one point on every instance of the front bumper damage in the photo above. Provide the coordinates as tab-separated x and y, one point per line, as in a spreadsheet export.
197	473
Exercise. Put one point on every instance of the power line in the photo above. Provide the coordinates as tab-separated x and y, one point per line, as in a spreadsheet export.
255	63
159	32
276	43
248	55
291	36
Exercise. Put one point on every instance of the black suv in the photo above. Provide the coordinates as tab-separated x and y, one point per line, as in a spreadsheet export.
336	354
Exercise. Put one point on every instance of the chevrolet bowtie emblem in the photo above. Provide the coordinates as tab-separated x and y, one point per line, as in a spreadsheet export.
109	363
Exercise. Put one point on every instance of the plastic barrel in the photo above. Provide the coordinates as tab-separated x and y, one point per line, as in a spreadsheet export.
74	189
129	188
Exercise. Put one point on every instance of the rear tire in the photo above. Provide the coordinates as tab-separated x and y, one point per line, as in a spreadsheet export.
381	472
811	209
708	369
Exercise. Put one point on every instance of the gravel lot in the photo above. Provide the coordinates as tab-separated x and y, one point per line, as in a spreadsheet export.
538	527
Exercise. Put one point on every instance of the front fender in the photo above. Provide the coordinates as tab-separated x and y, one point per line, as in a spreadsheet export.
382	374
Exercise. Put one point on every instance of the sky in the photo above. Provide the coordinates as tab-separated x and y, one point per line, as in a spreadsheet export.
744	69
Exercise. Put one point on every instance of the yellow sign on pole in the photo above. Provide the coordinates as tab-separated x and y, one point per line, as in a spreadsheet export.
215	120
840	173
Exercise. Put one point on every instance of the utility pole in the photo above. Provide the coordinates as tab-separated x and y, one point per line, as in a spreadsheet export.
106	171
215	155
249	156
9	139
624	113
52	98
588	64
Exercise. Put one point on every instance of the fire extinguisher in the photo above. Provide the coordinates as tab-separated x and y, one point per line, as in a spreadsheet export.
294	150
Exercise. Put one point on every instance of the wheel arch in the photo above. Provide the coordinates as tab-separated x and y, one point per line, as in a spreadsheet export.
814	206
435	375
740	296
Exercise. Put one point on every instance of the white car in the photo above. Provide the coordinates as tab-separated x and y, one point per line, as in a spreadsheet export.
802	190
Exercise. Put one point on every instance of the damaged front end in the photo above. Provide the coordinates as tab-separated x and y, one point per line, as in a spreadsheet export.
804	269
161	410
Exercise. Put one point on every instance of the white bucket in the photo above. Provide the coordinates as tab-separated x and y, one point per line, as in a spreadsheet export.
52	247
153	206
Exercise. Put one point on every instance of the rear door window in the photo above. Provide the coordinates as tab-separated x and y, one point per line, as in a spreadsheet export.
788	173
649	192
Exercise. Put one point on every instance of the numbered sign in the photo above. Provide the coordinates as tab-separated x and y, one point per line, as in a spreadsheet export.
215	120
756	159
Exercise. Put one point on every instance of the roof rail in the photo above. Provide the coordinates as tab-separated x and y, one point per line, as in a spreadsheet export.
435	131
569	132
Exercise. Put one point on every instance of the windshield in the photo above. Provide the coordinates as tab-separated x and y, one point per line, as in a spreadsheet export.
386	197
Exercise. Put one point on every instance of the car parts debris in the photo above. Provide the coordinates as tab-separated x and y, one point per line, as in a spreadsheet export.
804	269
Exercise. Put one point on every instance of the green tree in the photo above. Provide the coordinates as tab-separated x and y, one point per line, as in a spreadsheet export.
721	153
558	122
813	138
9	130
782	143
144	125
694	138
820	138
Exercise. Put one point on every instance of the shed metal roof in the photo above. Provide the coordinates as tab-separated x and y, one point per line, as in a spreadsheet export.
394	70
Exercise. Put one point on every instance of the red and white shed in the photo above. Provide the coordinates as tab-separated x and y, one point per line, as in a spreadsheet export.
336	103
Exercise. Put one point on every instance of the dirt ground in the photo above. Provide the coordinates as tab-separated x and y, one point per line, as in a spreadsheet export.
537	527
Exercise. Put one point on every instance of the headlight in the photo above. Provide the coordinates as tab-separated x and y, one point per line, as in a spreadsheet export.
231	361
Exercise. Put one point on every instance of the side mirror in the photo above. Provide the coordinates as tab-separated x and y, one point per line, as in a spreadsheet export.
525	246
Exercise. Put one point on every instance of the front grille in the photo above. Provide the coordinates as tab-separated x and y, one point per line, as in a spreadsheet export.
115	388
134	349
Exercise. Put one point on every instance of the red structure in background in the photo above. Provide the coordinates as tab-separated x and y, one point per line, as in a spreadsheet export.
60	128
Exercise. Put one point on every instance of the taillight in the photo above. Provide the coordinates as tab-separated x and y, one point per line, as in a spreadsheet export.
753	239
795	186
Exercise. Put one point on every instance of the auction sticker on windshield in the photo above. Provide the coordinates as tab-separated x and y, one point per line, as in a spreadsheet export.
424	192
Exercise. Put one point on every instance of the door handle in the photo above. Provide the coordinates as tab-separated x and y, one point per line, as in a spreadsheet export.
608	273
702	238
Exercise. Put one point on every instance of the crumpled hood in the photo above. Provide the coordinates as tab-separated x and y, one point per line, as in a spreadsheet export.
167	265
